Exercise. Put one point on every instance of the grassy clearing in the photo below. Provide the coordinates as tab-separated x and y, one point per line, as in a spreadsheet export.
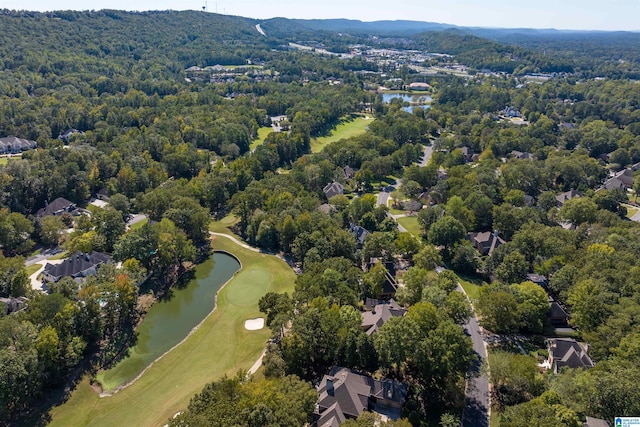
30	269
139	224
631	210
262	135
411	224
61	255
347	128
221	345
471	286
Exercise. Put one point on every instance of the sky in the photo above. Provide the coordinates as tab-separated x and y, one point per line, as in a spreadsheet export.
609	15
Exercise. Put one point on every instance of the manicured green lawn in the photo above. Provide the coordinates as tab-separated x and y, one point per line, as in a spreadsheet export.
221	345
32	269
262	134
411	224
348	127
61	255
139	224
472	289
223	225
631	210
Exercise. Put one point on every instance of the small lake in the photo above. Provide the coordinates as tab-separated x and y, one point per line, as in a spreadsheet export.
169	322
415	100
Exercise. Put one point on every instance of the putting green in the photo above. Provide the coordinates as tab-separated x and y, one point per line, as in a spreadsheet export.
252	285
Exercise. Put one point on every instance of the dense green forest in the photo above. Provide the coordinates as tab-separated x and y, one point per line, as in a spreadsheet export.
176	147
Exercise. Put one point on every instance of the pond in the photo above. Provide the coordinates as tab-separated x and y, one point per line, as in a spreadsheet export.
415	100
168	322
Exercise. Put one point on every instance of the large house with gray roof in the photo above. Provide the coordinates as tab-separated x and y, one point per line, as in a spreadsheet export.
77	266
13	145
345	394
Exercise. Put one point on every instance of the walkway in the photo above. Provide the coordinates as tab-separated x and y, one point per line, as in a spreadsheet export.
236	241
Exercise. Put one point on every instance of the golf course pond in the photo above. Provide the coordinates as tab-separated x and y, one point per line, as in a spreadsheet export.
170	321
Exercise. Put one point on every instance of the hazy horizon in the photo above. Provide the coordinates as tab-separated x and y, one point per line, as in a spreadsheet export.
615	15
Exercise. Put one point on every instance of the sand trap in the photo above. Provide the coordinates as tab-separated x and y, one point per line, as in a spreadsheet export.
254	324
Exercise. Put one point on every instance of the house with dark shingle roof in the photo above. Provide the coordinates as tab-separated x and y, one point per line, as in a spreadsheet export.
360	233
333	189
485	242
349	172
562	198
77	266
57	207
380	314
557	315
568	352
345	394
523	155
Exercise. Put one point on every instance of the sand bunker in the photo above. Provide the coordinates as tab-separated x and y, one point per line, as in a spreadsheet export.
254	324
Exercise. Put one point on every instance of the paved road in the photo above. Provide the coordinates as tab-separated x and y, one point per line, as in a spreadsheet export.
428	151
477	400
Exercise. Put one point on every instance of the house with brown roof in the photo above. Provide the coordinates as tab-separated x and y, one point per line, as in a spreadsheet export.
485	242
567	352
345	394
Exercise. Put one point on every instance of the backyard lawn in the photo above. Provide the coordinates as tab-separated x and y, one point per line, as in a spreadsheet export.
221	345
411	224
348	127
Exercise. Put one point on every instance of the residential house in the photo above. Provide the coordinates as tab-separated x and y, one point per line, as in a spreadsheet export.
12	305
381	312
522	155
626	176
57	207
511	112
13	145
557	315
612	184
333	189
349	172
360	233
390	285
467	153
538	280
485	242
345	394
562	198
567	352
103	195
64	137
77	266
595	422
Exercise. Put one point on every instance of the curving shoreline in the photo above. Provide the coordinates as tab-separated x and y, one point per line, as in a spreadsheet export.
191	332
